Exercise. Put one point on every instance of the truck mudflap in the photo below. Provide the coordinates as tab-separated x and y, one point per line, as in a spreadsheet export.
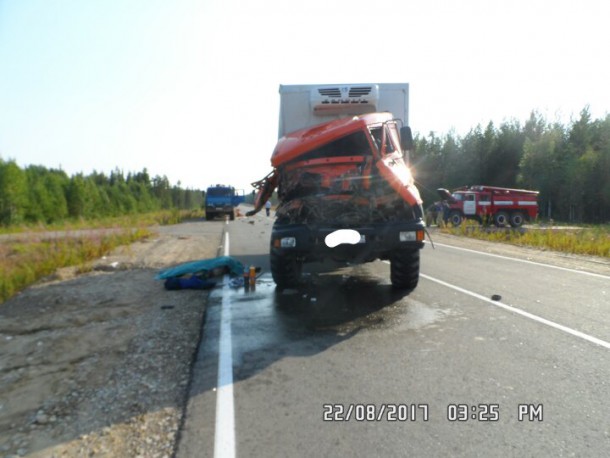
375	241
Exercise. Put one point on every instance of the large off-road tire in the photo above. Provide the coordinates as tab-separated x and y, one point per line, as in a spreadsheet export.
501	219
285	270
455	218
404	269
516	219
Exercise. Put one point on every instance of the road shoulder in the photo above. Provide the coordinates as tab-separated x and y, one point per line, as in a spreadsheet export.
99	363
593	264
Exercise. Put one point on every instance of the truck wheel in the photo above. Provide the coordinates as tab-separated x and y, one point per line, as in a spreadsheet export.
501	219
404	269
209	216
285	270
455	218
232	215
516	219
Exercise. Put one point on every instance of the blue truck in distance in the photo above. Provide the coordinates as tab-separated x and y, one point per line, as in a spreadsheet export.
222	200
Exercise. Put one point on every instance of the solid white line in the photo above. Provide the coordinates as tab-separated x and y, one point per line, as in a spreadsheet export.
531	316
224	440
226	244
524	261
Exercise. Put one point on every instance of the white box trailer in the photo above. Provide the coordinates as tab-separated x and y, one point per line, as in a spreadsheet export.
306	105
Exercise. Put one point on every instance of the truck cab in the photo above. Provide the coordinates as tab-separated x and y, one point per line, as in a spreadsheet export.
345	190
221	200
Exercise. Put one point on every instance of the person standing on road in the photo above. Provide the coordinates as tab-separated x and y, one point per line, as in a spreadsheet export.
440	216
268	207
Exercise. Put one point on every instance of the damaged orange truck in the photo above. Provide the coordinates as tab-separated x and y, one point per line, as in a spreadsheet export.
345	190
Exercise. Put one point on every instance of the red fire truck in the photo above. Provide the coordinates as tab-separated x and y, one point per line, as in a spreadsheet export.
488	204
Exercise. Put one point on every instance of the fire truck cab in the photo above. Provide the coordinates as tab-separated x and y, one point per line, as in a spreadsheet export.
490	204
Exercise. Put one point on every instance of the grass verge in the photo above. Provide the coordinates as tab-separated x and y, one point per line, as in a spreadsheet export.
162	217
24	262
27	260
592	240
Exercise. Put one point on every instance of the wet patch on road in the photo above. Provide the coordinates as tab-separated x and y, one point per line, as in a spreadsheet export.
339	302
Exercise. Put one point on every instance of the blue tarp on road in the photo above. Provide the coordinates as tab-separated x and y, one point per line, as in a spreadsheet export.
201	267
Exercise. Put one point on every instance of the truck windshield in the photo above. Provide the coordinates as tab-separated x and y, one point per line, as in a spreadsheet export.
386	136
220	192
302	179
393	136
355	144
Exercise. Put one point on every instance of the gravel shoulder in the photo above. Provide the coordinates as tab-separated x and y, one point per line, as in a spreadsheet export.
98	364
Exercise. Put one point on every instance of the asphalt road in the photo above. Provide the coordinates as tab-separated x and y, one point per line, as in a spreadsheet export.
347	367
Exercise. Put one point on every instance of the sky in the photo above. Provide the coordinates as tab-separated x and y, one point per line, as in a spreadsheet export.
189	88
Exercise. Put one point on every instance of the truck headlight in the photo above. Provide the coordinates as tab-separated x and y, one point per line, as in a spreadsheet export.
288	242
407	236
411	236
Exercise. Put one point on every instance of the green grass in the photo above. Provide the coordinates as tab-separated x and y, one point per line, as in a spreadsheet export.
27	260
162	217
588	240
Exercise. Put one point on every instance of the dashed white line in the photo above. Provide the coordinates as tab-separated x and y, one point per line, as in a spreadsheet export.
224	438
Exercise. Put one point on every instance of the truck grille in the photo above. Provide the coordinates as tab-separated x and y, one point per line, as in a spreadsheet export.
359	91
330	92
335	92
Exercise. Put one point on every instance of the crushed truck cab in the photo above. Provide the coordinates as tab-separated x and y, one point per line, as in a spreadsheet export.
345	193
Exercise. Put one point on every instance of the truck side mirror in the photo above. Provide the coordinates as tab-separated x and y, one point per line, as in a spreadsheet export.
406	138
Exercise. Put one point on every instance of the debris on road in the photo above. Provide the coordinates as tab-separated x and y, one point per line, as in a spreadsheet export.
192	282
206	268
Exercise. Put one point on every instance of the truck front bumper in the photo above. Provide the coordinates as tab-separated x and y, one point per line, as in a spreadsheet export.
377	241
219	209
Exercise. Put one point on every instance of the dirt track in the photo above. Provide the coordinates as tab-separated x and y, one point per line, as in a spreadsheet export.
98	364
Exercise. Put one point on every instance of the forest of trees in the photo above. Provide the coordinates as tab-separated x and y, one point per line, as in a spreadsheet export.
37	194
569	165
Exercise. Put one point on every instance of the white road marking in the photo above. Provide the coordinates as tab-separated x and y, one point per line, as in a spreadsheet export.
524	261
531	316
224	440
